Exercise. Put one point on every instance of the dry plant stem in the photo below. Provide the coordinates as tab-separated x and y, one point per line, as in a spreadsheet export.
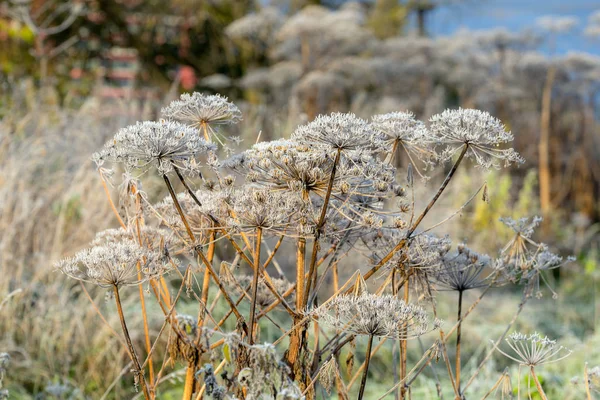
167	320
489	354
458	337
403	242
208	265
443	344
544	143
440	190
489	392
146	329
392	154
586	376
116	380
537	383
255	282
233	243
334	250
427	355
363	381
336	278
271	306
419	371
319	227
472	307
205	284
362	366
276	302
141	294
293	352
265	274
404	343
179	209
112	204
136	362
312	383
188	389
95	307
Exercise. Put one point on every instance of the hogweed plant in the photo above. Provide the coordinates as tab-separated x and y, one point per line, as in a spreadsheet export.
365	265
534	350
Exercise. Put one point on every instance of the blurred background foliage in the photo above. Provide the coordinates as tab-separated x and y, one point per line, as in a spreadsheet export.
72	72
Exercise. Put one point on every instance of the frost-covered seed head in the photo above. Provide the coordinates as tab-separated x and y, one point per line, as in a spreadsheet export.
163	144
534	350
203	112
114	264
198	109
339	131
463	270
482	133
370	314
404	130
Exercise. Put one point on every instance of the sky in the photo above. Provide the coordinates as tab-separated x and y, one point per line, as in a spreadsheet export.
517	15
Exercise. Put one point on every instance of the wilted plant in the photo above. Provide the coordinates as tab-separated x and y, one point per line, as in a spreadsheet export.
331	192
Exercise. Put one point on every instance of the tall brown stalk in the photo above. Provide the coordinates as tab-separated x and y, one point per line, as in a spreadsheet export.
544	143
255	283
132	354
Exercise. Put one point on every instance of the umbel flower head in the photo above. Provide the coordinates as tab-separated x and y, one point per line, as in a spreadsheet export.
523	260
534	350
114	264
164	145
339	131
285	165
403	130
463	270
203	112
375	315
256	208
479	131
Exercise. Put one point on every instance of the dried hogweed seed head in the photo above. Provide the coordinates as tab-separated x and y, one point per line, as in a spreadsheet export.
198	109
370	314
329	373
339	131
162	144
266	209
404	131
534	350
482	133
524	261
203	112
463	270
114	264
